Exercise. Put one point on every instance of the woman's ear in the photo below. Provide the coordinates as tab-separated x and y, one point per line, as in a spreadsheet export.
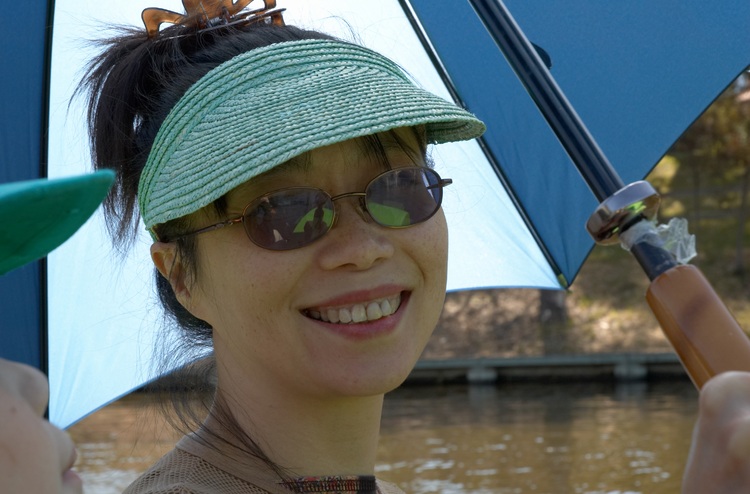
168	263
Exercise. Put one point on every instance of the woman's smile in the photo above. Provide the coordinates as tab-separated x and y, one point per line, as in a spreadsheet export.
353	313
362	321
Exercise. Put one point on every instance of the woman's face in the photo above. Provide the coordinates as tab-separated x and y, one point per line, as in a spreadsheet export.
265	306
35	456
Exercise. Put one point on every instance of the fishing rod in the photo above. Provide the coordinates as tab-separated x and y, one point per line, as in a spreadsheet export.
703	332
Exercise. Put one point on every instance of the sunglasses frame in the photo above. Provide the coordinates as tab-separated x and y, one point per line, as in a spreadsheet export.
441	183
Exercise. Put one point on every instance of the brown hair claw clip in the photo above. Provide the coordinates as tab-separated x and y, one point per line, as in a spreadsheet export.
209	14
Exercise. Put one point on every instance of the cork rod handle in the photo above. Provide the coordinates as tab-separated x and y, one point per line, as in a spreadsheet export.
701	329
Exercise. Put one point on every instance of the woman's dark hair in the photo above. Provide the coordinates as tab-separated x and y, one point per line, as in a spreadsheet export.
131	87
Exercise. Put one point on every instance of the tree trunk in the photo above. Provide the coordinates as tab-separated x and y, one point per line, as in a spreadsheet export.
553	321
739	257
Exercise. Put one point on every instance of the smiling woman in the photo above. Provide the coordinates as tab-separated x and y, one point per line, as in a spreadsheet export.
284	178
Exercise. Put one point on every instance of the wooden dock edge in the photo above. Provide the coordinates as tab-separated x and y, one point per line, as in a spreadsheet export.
610	366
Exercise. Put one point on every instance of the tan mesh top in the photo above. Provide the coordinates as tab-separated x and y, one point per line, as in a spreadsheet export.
195	468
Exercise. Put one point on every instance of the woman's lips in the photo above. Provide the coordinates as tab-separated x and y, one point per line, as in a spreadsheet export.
371	310
362	314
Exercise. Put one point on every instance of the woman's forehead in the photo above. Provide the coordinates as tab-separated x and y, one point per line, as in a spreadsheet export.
376	152
380	149
384	149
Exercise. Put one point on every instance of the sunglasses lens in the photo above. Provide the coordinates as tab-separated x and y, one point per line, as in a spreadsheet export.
404	197
292	218
289	219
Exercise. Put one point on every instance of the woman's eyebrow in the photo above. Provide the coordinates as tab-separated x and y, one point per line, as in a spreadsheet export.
299	163
387	148
296	164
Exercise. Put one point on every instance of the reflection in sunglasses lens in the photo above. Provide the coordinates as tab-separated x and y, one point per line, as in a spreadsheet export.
402	198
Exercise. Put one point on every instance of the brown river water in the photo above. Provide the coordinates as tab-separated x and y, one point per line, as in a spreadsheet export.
613	438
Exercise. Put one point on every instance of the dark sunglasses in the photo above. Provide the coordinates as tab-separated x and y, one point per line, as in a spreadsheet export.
294	217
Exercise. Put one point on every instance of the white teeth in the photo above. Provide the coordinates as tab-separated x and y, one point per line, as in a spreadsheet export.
345	316
371	311
333	316
359	313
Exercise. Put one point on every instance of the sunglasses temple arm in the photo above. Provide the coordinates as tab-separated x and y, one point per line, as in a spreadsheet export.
211	228
443	183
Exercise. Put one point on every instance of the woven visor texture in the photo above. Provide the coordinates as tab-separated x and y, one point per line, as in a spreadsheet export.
266	106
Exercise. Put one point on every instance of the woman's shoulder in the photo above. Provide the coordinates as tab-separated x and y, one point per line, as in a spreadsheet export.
180	472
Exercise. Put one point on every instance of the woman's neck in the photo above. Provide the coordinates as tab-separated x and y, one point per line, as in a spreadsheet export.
305	434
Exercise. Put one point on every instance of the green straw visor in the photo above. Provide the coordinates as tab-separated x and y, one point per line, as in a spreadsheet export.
36	216
266	106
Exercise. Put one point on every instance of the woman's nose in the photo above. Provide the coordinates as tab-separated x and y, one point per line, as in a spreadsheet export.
355	240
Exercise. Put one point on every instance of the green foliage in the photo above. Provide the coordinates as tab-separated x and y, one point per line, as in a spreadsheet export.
705	177
714	177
